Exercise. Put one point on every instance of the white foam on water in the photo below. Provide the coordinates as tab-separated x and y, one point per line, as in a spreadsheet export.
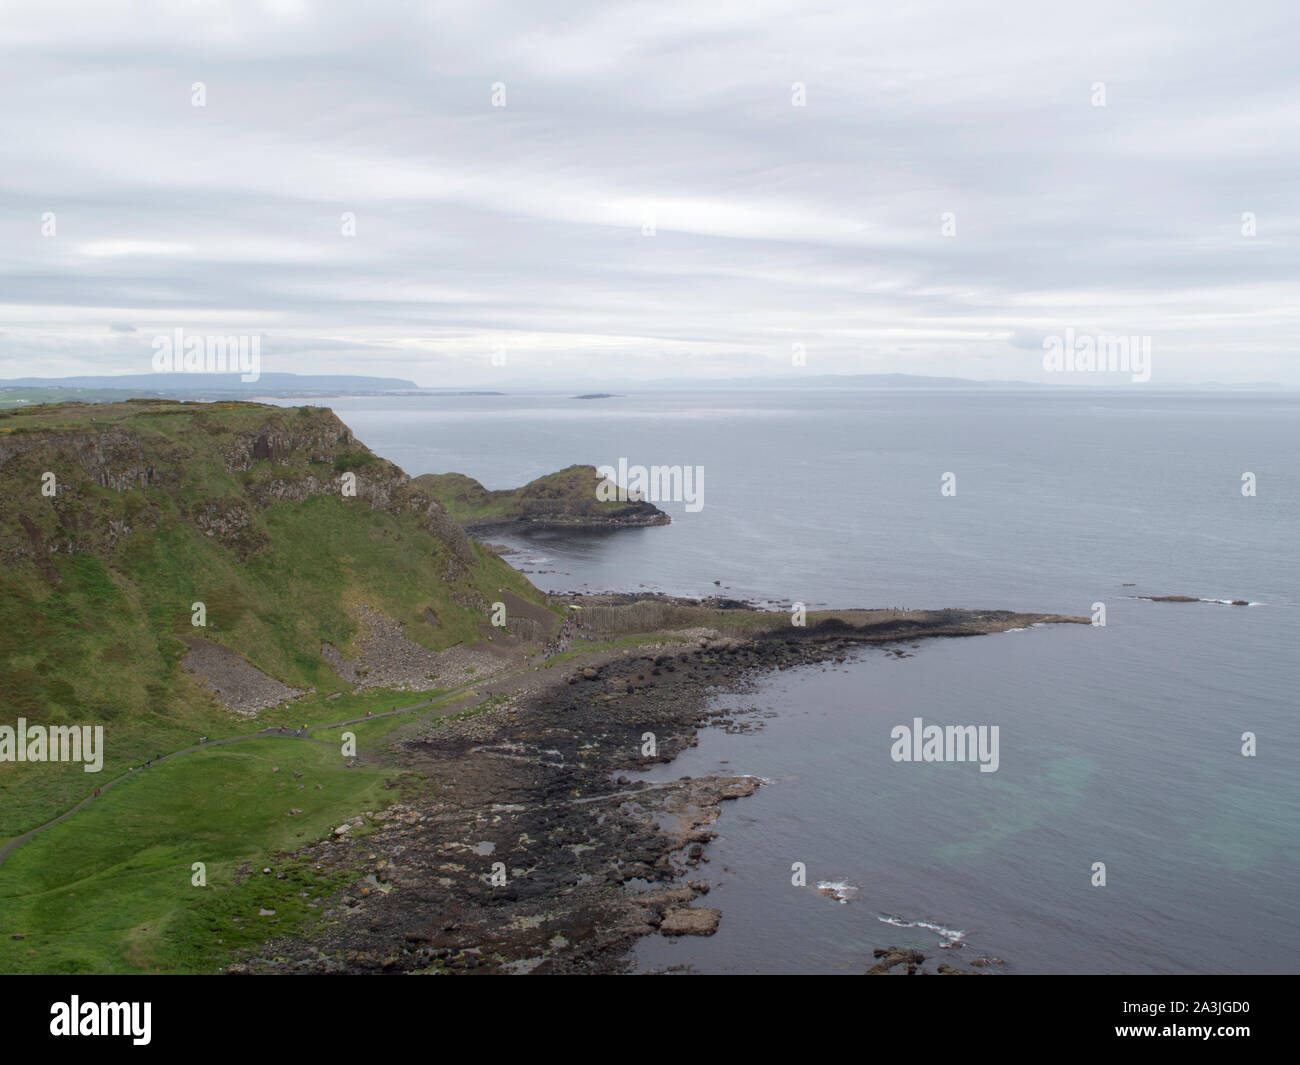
838	890
951	935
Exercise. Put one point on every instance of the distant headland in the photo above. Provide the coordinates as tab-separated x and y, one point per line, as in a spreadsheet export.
564	500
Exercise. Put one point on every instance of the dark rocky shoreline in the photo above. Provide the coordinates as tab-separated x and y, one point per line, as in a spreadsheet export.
592	861
634	515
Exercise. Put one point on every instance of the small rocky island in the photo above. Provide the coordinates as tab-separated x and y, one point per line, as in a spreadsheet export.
565	500
1190	599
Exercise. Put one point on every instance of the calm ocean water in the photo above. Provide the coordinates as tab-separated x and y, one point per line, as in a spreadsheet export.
1119	745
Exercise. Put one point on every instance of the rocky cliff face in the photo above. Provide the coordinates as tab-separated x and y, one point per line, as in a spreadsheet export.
111	458
569	498
319	440
44	507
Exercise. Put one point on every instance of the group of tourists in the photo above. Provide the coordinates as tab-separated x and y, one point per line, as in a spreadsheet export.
569	631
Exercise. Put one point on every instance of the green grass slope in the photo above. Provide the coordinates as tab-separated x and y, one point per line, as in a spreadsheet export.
112	890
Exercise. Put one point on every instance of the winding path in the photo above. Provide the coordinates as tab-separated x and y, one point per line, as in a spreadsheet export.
481	687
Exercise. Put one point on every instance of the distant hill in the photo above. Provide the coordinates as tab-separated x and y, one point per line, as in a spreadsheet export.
212	383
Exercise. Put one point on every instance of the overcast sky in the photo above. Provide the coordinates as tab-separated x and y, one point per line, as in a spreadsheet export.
651	201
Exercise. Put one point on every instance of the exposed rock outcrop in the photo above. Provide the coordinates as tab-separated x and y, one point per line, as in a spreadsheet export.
237	684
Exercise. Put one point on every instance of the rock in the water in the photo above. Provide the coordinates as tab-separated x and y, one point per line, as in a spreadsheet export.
892	956
690	921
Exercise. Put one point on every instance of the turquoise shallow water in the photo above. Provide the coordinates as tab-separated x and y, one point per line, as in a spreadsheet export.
1118	744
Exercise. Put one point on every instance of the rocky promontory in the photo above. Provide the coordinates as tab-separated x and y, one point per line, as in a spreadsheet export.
569	499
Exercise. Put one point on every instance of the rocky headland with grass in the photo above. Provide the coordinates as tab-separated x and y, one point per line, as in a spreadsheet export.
568	499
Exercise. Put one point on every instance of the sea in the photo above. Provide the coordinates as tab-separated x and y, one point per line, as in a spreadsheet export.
1145	813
